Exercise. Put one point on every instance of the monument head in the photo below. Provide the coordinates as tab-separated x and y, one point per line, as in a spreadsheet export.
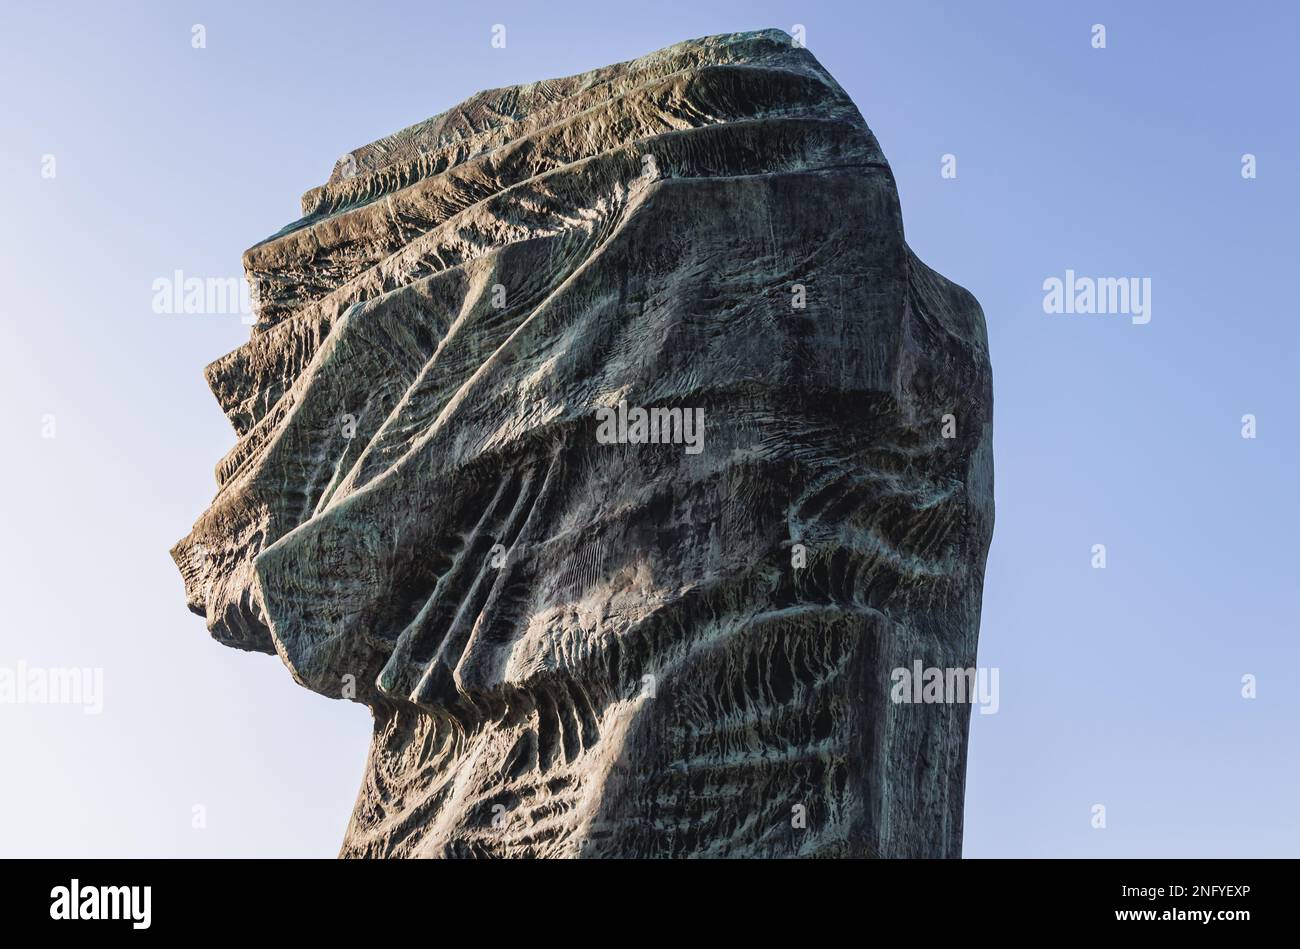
605	438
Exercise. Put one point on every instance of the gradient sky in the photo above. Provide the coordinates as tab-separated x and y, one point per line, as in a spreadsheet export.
1119	686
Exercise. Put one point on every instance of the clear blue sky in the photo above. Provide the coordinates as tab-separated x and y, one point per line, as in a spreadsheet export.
1118	686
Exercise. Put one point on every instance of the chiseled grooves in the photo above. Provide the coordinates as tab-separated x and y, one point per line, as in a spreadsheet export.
577	649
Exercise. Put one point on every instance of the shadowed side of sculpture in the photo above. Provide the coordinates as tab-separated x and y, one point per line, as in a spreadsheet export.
583	645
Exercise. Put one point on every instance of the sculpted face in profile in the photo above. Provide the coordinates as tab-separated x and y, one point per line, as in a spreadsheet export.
605	438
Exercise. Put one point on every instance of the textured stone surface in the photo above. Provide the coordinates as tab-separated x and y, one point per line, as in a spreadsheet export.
581	649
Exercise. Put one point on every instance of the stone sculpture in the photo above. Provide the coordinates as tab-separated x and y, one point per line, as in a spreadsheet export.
606	439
